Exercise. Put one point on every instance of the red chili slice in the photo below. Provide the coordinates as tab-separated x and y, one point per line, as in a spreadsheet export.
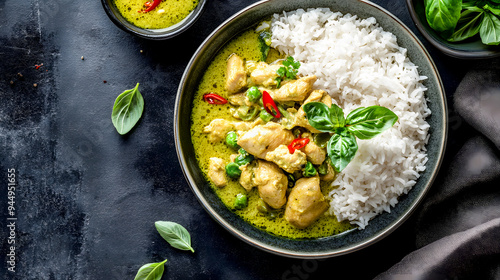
150	6
297	144
214	98
269	105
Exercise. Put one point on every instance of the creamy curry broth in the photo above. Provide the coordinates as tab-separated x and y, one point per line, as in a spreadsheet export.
166	14
246	46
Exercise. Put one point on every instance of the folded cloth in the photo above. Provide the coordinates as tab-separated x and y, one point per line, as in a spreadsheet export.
457	231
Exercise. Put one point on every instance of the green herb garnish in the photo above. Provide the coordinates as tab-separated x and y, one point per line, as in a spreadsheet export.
176	235
127	110
151	271
240	202
288	71
457	20
265	44
363	123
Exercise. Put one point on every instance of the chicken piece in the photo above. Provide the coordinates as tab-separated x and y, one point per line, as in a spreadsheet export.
217	129
315	96
271	183
247	177
306	203
288	162
265	74
330	175
295	90
236	76
242	127
217	171
315	154
327	99
262	139
239	99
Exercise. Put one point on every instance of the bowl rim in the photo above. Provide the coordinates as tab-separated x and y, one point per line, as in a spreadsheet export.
453	52
162	34
291	253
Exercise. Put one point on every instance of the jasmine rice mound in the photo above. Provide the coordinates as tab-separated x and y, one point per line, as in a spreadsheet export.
360	65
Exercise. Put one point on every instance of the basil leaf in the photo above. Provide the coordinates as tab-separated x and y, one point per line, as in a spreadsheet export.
318	115
472	5
176	235
468	25
151	271
490	30
370	121
127	110
493	10
342	148
442	15
337	116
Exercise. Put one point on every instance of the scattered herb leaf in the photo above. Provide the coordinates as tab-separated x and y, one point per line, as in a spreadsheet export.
127	110
151	271
176	235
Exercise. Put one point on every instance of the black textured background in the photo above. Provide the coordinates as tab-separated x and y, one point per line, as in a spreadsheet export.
87	197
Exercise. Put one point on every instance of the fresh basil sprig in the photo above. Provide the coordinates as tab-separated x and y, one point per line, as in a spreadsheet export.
363	123
176	235
458	20
127	110
151	271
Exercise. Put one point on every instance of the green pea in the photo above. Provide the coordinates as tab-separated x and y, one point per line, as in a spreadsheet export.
241	201
254	94
233	170
309	170
243	159
243	152
265	116
232	139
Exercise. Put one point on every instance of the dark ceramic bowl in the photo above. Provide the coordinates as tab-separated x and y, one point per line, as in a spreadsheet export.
153	34
468	49
344	243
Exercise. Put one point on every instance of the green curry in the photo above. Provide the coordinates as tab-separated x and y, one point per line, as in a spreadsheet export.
247	47
166	14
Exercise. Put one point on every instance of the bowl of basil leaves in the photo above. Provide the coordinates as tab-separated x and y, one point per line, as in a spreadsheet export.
466	29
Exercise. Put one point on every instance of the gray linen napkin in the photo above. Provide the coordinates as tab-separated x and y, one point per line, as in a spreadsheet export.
457	230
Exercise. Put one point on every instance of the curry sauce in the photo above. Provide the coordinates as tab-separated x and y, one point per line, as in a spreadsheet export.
246	46
166	14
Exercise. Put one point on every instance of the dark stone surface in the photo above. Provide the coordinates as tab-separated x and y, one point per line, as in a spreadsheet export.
86	197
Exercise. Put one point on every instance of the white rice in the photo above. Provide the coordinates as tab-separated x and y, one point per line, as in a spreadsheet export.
361	65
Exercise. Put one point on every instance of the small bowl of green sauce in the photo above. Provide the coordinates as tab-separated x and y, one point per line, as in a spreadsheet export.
153	19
